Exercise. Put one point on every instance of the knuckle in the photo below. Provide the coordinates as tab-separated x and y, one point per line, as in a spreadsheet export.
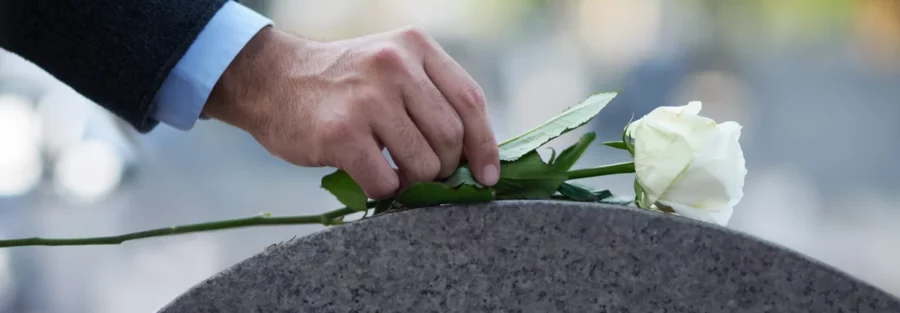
388	58
377	181
367	96
451	136
383	188
447	171
449	165
336	130
415	34
473	96
482	147
420	163
488	144
429	168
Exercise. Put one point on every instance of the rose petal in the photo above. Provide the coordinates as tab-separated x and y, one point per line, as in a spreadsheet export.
692	108
719	216
714	181
659	158
688	162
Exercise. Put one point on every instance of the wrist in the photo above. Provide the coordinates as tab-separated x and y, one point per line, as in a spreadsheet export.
236	96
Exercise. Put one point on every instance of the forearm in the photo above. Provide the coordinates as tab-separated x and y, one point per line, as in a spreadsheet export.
116	53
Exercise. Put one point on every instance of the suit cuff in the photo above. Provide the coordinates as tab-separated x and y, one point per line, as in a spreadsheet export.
180	99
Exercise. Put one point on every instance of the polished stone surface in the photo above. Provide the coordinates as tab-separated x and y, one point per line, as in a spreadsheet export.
530	256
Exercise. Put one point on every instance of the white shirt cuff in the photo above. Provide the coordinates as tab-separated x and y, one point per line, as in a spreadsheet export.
180	99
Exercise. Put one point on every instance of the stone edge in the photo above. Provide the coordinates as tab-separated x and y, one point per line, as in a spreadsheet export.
288	244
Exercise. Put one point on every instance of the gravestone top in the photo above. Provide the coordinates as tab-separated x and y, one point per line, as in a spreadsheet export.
530	256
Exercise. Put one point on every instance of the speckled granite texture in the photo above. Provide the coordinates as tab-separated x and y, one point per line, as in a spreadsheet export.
530	257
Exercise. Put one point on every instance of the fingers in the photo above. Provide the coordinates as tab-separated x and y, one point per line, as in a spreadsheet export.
415	158
425	109
436	119
467	99
363	161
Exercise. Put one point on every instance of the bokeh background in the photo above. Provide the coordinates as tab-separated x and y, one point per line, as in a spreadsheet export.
816	84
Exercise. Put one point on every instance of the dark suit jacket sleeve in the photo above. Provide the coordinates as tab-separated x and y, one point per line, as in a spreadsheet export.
115	52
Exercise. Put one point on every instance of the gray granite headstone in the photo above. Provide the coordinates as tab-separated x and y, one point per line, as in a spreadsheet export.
537	256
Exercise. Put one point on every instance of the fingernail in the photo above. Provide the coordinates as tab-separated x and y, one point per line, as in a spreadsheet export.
490	174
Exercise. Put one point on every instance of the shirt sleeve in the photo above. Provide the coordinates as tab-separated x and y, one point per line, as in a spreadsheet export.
180	99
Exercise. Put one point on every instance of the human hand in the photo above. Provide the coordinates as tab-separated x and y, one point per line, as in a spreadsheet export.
341	103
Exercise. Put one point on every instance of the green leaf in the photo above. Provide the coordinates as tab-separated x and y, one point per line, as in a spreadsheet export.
576	193
582	186
571	118
382	206
616	144
552	156
434	193
603	194
347	191
617	200
528	178
570	155
462	176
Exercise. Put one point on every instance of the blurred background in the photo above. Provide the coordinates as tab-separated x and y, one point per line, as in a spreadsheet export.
816	84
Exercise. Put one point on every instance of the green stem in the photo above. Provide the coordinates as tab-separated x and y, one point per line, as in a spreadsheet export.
618	168
326	219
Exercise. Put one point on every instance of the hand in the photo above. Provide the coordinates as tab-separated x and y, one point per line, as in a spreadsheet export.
341	103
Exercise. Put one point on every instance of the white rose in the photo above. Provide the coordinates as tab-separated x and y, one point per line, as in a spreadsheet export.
688	163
